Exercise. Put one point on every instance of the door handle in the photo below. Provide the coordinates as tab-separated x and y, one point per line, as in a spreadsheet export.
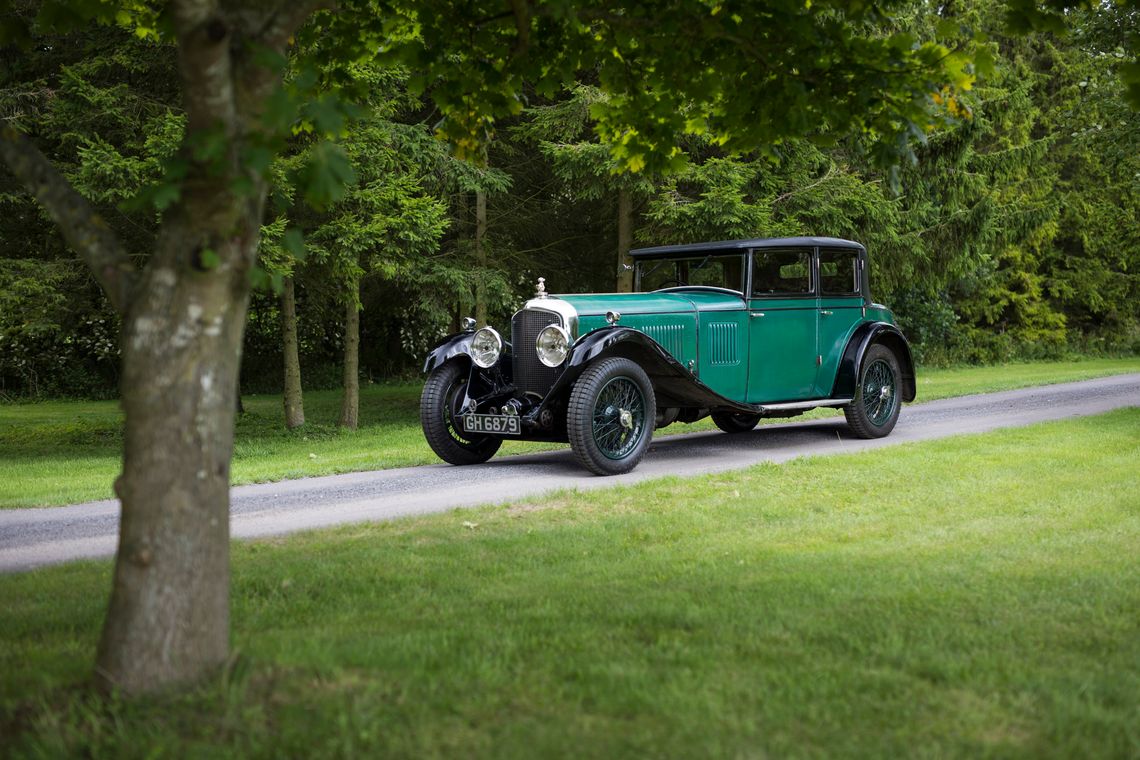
826	313
756	313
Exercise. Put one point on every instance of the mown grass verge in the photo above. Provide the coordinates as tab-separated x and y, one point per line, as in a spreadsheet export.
974	596
64	452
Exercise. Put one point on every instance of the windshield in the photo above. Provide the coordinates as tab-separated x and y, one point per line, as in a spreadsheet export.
716	271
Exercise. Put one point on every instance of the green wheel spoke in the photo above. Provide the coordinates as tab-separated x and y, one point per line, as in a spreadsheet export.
880	392
620	395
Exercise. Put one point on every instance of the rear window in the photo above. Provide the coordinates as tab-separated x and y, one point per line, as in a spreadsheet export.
839	271
781	272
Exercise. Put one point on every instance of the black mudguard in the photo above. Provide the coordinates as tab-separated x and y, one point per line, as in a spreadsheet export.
484	386
673	384
449	348
867	335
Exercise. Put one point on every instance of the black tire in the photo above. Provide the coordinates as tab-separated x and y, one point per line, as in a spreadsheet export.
735	423
610	416
439	403
875	408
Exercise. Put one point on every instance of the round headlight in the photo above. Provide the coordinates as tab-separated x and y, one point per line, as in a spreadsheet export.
552	345
486	345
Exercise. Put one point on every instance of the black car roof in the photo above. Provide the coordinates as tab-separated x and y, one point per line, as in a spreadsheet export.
729	246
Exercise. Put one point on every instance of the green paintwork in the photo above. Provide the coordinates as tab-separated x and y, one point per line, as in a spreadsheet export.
673	320
839	316
597	304
782	359
790	353
879	313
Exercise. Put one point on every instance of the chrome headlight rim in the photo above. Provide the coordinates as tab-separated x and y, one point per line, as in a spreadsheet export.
552	354
487	356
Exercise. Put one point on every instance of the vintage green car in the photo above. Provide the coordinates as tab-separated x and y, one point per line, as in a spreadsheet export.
737	329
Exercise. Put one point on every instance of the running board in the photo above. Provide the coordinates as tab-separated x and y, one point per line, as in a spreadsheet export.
792	405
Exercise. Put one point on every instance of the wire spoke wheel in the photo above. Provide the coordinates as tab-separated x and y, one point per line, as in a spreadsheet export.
879	392
609	418
619	418
875	409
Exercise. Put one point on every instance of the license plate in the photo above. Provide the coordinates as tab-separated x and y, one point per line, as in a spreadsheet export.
503	424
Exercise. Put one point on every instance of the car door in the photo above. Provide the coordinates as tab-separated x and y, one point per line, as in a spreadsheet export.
840	309
783	312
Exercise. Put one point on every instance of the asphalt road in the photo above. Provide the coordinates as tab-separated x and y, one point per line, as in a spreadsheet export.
34	537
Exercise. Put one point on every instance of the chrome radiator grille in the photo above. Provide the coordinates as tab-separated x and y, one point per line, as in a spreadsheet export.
531	375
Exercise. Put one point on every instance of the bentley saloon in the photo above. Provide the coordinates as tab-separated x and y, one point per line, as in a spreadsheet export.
736	329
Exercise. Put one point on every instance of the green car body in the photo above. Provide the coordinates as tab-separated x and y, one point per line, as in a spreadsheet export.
738	329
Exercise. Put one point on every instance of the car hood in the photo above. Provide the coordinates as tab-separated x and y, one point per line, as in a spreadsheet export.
658	302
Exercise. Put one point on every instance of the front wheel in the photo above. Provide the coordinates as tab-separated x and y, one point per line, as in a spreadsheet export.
875	409
735	423
439	406
610	416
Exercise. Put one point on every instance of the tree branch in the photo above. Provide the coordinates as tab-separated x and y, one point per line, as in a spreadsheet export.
522	23
805	188
82	228
287	19
273	30
204	61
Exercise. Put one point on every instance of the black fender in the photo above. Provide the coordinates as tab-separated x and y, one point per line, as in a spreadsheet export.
484	384
865	336
460	345
673	384
449	348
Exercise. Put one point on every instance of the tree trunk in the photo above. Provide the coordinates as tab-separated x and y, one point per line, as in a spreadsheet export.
293	399
168	619
350	404
481	258
624	241
183	319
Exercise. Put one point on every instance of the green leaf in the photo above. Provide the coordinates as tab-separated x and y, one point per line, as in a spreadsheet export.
327	116
257	158
259	278
280	111
984	62
208	259
270	59
243	186
293	241
326	176
165	194
947	27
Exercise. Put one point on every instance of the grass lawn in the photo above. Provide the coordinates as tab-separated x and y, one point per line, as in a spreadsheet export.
67	451
974	596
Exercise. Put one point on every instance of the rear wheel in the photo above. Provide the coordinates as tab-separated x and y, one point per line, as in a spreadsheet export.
439	406
735	423
875	409
610	416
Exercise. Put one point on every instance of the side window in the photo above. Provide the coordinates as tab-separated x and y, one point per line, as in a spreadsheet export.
839	271
781	272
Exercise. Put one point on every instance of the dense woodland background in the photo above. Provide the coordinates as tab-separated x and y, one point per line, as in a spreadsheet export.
1014	235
